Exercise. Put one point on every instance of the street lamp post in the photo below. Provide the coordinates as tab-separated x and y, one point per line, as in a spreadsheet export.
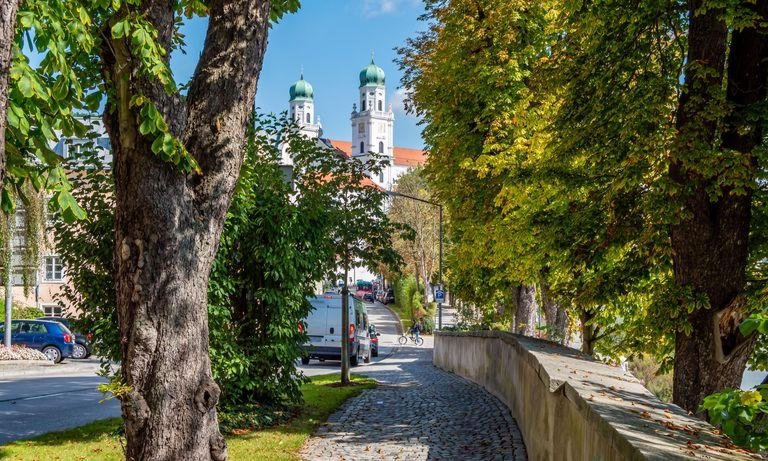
440	257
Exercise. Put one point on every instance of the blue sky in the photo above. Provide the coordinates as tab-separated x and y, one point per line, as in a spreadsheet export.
332	40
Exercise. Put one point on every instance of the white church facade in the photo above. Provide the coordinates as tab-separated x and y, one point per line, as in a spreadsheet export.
372	122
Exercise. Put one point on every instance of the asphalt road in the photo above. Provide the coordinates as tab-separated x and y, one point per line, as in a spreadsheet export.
386	324
33	404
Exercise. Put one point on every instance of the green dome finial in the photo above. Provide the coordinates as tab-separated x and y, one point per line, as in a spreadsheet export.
372	74
301	90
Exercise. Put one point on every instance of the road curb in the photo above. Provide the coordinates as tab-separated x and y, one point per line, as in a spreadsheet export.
23	367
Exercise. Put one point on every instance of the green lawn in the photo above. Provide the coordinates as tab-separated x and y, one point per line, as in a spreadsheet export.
97	441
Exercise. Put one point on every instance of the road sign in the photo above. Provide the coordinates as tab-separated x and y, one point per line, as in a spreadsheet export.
439	295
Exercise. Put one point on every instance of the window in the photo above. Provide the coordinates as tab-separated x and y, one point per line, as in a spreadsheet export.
381	147
381	176
362	147
309	118
53	310
380	105
54	268
362	105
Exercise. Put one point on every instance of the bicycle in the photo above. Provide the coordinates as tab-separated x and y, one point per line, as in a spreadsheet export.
403	340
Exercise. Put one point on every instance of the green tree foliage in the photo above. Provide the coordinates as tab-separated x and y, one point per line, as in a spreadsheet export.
87	251
742	415
278	241
592	162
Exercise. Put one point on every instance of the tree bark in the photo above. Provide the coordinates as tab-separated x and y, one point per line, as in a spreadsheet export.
8	10
588	332
524	298
710	246
555	315
343	334
168	226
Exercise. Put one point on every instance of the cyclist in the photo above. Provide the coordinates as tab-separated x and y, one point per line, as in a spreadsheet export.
416	329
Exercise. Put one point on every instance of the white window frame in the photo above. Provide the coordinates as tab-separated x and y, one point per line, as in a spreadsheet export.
56	259
52	312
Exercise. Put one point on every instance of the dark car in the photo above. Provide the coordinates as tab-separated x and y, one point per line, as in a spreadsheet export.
83	348
52	338
374	340
389	297
368	297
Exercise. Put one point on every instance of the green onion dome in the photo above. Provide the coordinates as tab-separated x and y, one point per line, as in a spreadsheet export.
301	90
372	75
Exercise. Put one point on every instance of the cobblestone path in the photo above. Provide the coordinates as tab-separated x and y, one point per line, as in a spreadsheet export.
418	412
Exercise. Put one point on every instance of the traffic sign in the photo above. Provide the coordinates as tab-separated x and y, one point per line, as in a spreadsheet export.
439	295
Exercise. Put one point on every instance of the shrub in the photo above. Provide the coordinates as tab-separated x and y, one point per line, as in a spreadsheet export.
20	311
646	369
742	415
429	324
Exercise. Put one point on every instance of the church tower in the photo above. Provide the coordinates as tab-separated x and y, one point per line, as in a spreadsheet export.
372	125
302	108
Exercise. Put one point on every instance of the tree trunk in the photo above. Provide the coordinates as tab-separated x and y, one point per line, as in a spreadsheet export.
588	332
555	315
168	226
343	334
710	246
524	298
8	10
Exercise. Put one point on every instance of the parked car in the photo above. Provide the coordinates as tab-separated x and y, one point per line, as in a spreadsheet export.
323	326
368	297
52	338
389	297
374	335
82	349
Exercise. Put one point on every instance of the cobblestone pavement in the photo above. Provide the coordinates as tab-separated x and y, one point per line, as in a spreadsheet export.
418	412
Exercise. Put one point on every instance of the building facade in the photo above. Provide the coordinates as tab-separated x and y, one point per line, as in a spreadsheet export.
372	121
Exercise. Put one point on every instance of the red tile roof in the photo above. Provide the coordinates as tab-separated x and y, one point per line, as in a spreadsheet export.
403	155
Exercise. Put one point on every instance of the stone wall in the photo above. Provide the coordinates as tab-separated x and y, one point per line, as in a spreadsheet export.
571	407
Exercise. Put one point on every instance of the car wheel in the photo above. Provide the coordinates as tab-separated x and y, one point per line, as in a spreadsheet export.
354	360
375	352
53	353
305	360
79	351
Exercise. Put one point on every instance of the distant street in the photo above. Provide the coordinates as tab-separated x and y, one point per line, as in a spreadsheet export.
34	404
386	324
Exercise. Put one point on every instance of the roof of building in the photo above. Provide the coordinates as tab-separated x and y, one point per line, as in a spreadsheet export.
404	156
301	90
372	75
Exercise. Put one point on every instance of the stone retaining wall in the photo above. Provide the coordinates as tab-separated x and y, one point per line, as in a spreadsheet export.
572	407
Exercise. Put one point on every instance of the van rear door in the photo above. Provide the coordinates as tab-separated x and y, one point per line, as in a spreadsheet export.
333	323
316	321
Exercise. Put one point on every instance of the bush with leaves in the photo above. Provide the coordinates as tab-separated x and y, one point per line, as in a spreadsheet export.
742	415
20	311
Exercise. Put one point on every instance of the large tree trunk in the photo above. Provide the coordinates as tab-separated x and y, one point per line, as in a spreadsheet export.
168	225
710	246
8	10
524	298
588	331
556	316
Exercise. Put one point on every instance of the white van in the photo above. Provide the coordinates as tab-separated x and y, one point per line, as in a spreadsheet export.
323	326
